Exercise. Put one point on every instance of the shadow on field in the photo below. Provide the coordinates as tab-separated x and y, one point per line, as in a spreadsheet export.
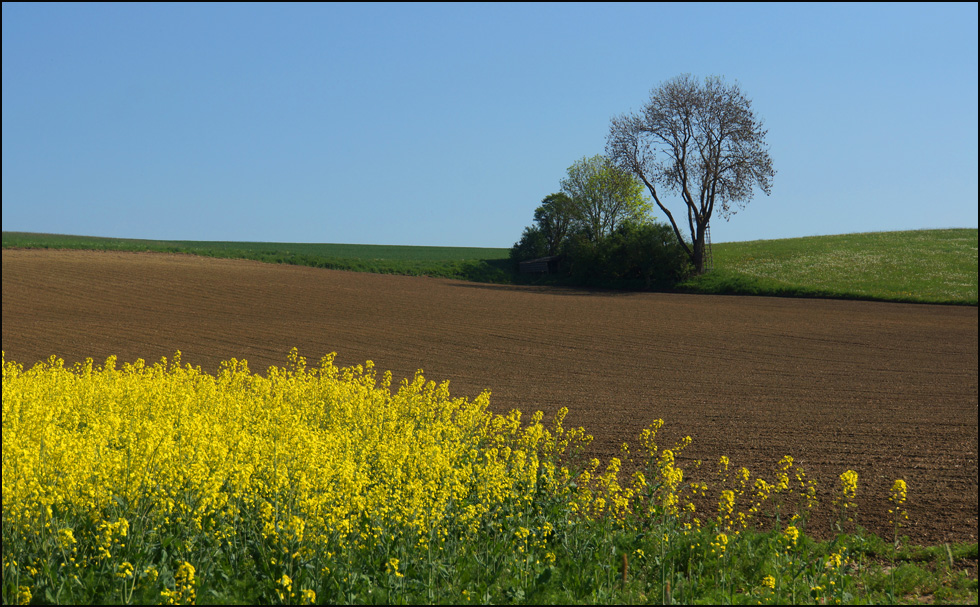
545	286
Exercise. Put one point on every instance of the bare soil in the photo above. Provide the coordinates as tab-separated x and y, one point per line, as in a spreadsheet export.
888	390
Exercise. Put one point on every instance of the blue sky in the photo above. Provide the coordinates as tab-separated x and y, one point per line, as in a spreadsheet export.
447	124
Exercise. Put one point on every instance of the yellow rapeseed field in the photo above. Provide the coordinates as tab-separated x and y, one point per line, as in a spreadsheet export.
181	444
152	483
322	456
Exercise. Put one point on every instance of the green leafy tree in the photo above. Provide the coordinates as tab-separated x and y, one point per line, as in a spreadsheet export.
701	141
554	219
533	244
603	196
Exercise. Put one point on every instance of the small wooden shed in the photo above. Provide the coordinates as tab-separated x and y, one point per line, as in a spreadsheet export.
541	265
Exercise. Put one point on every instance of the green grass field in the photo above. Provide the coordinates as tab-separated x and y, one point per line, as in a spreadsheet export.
465	263
924	266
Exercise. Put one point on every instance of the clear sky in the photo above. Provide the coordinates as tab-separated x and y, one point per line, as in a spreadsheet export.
447	124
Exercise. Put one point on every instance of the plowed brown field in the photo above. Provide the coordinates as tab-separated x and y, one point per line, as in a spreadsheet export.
889	390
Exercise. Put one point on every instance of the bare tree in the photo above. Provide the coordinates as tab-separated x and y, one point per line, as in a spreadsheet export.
700	141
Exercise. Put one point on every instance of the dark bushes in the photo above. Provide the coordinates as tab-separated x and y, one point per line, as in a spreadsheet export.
635	256
532	245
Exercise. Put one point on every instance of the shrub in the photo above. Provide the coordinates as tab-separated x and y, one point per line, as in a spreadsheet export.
533	244
636	255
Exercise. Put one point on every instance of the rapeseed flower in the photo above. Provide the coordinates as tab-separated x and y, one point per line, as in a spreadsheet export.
719	544
898	495
844	502
66	538
897	512
392	568
791	534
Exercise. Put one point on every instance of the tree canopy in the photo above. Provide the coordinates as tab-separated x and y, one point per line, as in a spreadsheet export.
603	196
600	231
554	219
698	140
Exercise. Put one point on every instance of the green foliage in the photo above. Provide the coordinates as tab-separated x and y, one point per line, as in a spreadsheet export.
555	219
532	245
648	254
635	256
600	225
603	197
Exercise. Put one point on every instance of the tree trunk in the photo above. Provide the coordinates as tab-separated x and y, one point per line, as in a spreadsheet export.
697	254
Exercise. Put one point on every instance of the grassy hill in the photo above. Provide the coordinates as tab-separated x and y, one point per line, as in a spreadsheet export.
925	266
934	266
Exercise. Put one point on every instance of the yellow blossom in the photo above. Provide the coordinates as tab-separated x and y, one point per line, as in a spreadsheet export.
792	534
392	568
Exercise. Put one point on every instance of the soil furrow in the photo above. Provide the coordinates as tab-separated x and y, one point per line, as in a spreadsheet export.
889	390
